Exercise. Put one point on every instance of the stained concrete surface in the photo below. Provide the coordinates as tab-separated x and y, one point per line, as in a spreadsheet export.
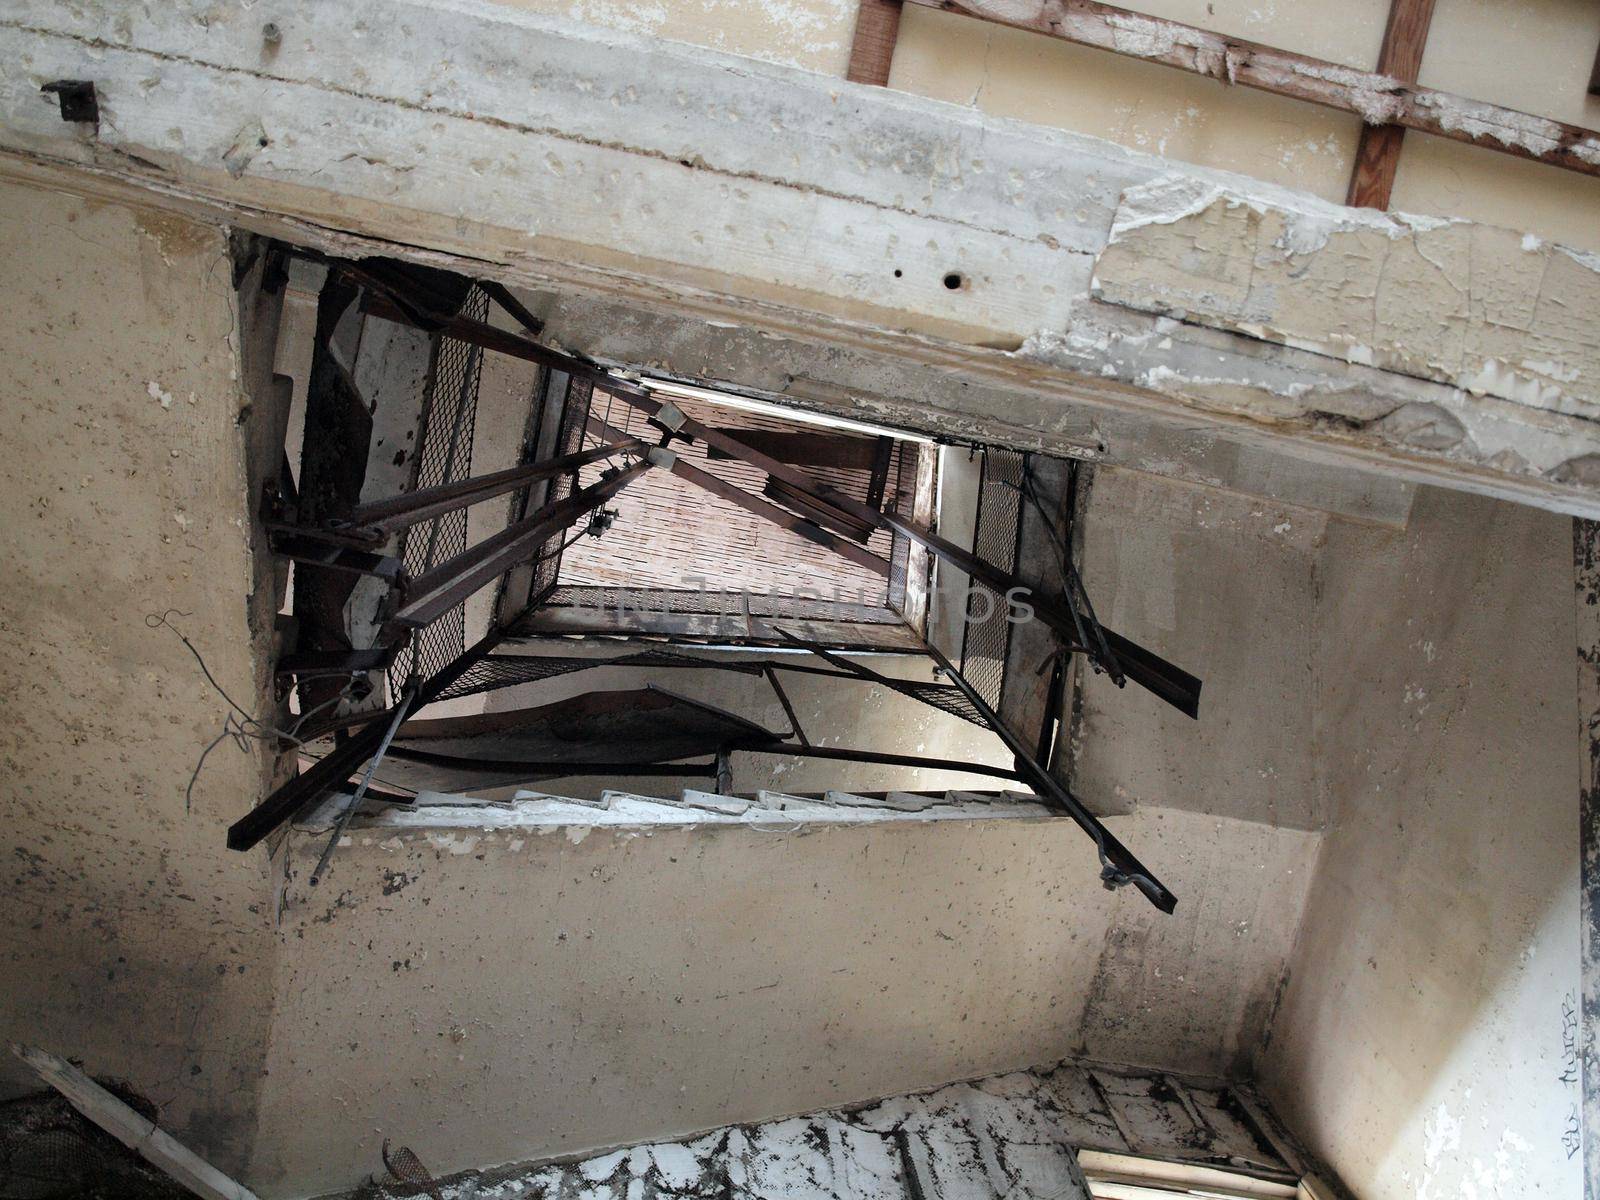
1424	1043
130	938
776	199
1226	586
649	986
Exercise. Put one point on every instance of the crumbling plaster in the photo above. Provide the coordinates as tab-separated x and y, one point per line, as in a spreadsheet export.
748	192
1494	313
130	939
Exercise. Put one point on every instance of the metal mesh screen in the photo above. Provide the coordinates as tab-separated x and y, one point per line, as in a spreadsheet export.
449	414
569	440
988	631
49	1151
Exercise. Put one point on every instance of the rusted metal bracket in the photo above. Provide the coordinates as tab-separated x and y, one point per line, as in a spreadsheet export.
452	581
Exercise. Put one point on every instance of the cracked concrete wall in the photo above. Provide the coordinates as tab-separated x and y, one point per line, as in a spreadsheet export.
637	987
1488	311
130	939
1532	57
1425	1044
769	198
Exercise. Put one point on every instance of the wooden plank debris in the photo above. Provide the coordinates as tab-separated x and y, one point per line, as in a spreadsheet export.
139	1134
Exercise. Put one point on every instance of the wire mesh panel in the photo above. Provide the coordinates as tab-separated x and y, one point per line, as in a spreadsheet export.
905	477
449	415
569	440
987	635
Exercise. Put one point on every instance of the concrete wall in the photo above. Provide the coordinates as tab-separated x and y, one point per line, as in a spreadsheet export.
1421	1045
1224	585
130	939
493	996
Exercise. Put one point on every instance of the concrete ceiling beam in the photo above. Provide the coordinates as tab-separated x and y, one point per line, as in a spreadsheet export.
1123	297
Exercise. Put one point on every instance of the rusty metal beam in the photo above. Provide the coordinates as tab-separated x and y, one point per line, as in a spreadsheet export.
1378	99
441	589
400	512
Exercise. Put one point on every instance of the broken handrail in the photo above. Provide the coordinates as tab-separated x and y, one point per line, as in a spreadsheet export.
346	758
1118	865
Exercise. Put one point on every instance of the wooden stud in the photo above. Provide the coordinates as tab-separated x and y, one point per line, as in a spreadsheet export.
1378	151
872	51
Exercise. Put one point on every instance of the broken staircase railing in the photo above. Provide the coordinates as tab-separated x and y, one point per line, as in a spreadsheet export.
447	585
1118	865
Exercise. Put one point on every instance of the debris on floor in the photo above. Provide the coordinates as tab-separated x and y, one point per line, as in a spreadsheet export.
1015	1136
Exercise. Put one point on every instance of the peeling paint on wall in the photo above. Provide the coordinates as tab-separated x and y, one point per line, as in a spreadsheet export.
1489	311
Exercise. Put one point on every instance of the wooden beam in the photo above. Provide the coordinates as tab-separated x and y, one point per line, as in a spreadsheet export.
1377	99
1378	151
140	1134
872	51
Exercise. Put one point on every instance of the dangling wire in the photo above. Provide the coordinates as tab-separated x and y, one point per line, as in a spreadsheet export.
239	725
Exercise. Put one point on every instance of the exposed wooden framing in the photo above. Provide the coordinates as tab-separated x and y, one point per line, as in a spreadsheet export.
1376	98
872	50
1378	151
